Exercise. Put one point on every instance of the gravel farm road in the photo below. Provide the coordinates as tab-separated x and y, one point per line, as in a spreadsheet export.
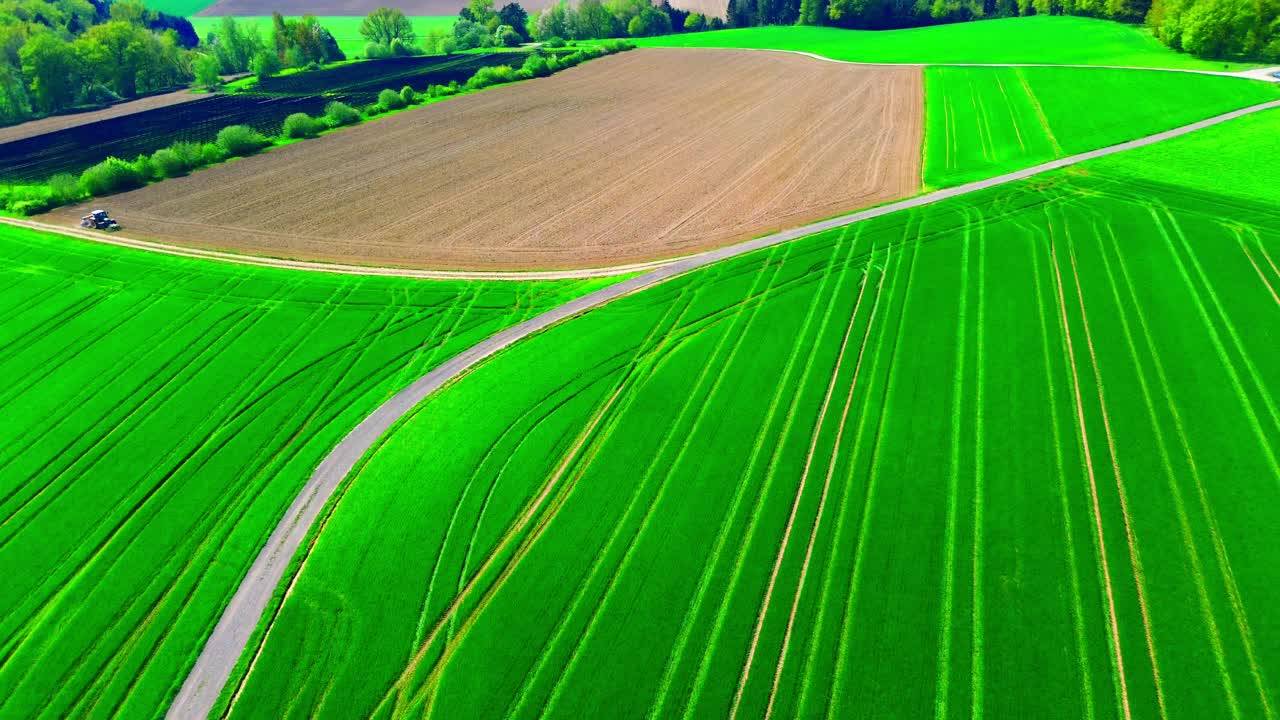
232	632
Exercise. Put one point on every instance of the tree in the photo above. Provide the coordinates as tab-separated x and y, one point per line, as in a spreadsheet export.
514	15
812	12
506	36
279	35
553	22
386	24
130	11
14	103
113	54
264	64
53	69
695	22
207	69
595	21
650	21
482	12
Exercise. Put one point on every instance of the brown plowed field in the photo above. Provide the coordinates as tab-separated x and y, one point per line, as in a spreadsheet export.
647	154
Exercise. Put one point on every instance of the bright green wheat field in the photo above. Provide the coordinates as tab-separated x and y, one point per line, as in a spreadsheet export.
981	122
1058	40
1012	455
158	416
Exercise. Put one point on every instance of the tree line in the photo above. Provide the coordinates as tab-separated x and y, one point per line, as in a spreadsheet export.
56	55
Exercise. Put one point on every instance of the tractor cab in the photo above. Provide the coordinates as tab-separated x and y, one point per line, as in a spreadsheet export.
99	220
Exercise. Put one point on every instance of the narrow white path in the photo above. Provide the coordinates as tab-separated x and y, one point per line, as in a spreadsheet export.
231	634
115	238
1271	74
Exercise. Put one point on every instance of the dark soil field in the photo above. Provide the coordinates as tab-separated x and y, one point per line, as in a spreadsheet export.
648	154
156	123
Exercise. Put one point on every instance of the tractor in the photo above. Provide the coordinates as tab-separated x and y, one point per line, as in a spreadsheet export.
99	220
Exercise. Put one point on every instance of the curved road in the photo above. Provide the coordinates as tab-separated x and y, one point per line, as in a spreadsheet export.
1267	74
231	635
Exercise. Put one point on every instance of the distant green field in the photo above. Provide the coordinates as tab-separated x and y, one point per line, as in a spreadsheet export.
1036	39
346	30
1012	455
1224	157
159	415
181	8
981	122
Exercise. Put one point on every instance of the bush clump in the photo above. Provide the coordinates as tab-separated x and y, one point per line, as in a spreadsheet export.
24	199
239	140
301	125
390	100
408	95
536	66
496	75
111	175
168	164
211	154
64	188
337	114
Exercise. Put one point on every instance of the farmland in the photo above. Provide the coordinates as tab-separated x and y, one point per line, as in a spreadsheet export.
1036	39
1008	455
986	121
72	149
625	158
159	416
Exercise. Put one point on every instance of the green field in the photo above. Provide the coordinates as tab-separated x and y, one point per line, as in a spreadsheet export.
1056	40
181	8
346	30
158	416
981	122
1012	455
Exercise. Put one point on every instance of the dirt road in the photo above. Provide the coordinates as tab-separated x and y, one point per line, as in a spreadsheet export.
231	634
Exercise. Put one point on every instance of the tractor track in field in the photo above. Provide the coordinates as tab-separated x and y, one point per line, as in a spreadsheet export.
231	634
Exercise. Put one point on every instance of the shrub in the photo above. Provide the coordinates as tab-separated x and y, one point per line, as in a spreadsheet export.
507	36
408	95
553	42
24	199
168	164
300	125
373	110
615	46
212	154
111	175
400	48
694	22
496	75
143	165
536	65
337	114
390	100
188	153
264	64
376	51
64	188
239	140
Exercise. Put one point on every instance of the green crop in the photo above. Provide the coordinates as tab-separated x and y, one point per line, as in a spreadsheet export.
160	415
986	121
1052	40
870	472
